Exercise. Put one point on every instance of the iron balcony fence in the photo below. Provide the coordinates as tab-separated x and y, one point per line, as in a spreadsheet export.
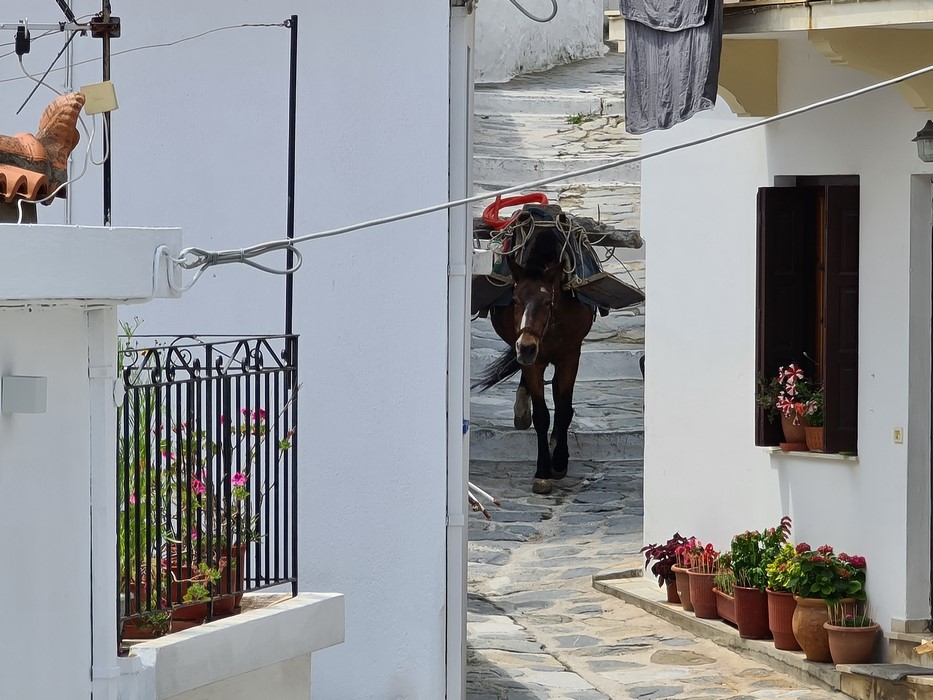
207	476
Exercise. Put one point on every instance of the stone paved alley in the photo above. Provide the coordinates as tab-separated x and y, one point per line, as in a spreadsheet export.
537	628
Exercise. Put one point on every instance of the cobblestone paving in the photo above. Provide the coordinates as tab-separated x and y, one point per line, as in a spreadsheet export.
538	629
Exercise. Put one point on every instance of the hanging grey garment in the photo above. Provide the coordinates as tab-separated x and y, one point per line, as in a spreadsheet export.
670	75
668	15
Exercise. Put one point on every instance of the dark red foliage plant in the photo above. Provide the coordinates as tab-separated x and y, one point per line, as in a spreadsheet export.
664	557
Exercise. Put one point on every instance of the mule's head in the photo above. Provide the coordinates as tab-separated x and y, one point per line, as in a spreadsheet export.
534	297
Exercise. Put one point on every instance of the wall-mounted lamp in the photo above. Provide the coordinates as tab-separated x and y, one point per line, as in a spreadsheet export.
924	140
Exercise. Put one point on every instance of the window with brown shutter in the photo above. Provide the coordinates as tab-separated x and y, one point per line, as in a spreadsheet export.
807	297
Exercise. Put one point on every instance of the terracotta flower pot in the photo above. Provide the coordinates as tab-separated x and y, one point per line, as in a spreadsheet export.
672	596
725	606
814	437
852	645
701	595
231	581
809	617
795	437
751	613
781	608
682	583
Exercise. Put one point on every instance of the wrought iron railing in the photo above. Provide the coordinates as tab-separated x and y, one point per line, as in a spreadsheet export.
207	476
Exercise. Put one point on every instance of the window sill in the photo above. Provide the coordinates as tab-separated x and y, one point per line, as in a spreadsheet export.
834	456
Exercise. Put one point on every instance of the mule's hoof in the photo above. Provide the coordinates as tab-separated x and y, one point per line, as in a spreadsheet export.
558	475
522	422
542	486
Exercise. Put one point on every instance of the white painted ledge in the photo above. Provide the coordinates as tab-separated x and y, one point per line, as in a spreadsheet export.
85	266
777	452
203	656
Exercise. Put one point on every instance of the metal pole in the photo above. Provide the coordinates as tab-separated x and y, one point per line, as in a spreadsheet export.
290	215
105	15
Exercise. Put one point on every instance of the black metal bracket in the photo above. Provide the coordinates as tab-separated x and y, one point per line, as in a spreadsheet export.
101	28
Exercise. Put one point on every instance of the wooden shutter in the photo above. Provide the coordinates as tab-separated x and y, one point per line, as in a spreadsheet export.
840	374
788	240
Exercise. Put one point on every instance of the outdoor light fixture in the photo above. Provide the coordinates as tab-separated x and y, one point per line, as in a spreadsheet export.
924	139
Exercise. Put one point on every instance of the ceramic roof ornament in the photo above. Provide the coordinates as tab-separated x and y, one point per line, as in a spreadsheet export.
32	167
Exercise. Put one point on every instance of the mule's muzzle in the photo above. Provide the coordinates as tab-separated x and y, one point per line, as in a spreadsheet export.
526	349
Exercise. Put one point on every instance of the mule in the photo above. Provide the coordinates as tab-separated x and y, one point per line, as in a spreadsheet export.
544	324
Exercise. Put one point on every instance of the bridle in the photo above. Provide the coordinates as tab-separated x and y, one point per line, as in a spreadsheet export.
547	324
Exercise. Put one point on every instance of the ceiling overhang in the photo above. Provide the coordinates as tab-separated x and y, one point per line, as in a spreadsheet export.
748	76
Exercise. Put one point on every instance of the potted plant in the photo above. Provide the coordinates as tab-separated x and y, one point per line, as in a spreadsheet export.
723	589
752	551
781	395
664	557
703	567
813	418
820	578
781	602
852	633
682	580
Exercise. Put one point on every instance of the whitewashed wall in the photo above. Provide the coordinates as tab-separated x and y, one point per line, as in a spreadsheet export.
711	480
200	142
44	470
509	44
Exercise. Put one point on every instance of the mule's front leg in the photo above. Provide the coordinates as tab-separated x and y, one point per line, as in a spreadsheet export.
541	419
565	375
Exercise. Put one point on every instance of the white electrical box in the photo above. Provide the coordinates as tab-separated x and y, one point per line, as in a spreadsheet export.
23	394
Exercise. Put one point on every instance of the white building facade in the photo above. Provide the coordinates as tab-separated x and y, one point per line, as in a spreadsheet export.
509	43
704	474
200	142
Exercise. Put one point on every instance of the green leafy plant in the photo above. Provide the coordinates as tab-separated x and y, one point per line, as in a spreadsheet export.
664	557
824	574
813	406
580	118
198	585
724	580
778	569
752	551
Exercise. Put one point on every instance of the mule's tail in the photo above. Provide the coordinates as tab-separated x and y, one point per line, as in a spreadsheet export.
503	368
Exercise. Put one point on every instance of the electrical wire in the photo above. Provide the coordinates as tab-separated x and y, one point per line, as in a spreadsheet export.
165	44
191	258
44	75
532	17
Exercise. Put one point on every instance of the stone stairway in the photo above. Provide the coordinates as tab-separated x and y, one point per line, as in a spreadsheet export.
532	127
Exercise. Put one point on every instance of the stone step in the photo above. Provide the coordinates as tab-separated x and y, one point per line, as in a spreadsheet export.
498	99
600	363
494	444
499	172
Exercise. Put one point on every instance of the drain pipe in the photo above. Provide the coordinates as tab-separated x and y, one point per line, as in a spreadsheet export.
459	274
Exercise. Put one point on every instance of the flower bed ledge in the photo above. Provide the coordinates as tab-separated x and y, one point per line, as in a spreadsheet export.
236	646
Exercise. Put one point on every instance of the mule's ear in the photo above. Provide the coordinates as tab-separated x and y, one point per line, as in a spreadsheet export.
517	270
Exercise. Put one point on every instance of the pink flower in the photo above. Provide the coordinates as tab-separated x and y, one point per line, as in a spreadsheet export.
238	479
198	486
133	499
168	456
825	549
802	547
